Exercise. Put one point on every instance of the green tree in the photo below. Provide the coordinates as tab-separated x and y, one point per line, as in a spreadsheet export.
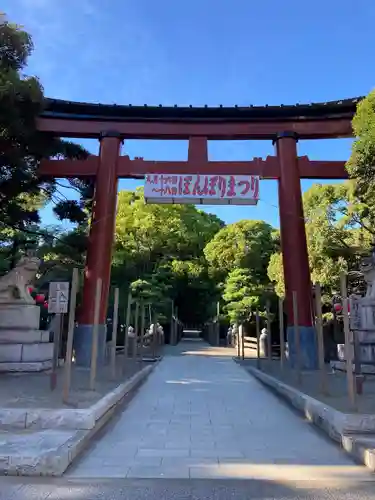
361	165
246	244
336	241
163	245
194	290
147	233
242	297
22	146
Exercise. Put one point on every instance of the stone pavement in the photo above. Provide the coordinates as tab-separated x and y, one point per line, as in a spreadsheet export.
200	415
182	489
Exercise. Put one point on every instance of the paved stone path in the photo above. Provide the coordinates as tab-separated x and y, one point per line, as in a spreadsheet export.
200	415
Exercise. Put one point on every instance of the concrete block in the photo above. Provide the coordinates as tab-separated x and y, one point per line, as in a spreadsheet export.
48	452
37	352
24	336
12	418
44	334
19	316
60	419
11	353
37	366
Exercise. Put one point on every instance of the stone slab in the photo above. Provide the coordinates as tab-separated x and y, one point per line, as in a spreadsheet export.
199	408
24	336
19	316
60	419
37	352
11	353
33	453
48	452
69	419
26	353
355	432
38	366
12	418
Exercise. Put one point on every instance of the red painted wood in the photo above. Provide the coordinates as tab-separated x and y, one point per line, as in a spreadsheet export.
198	150
69	168
138	168
293	236
313	169
99	254
306	129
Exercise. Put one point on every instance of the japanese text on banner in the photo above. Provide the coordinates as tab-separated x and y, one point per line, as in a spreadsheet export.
207	186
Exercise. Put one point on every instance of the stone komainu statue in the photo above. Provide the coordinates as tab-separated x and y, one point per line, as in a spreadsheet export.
14	285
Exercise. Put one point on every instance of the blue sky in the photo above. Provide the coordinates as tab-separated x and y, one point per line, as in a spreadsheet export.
203	52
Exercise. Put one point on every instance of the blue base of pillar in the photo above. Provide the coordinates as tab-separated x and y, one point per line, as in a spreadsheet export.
308	347
83	344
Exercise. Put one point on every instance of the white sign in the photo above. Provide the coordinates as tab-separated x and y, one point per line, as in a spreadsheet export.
202	189
58	297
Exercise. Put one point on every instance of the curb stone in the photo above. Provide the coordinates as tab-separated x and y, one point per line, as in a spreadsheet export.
354	433
55	461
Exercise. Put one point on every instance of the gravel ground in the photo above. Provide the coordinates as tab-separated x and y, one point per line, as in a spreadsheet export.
337	395
32	390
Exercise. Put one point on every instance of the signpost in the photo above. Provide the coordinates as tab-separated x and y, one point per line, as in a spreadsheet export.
58	298
202	189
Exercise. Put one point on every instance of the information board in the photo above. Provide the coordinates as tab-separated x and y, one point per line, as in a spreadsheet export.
58	297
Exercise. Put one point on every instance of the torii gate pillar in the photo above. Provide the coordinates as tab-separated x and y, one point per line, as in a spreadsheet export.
294	251
99	252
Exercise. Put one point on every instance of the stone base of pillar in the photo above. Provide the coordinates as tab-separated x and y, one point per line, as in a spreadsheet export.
83	345
308	347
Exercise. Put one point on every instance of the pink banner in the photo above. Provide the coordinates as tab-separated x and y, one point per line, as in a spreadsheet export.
198	189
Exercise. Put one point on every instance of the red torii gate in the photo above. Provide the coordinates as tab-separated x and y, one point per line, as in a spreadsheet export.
284	125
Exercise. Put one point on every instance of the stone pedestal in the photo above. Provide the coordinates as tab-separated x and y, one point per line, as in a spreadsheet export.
23	347
308	347
83	335
362	336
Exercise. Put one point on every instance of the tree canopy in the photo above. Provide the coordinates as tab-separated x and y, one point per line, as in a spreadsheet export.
163	244
238	256
22	146
361	165
244	244
335	240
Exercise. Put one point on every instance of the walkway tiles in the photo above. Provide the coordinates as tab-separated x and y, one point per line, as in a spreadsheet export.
202	416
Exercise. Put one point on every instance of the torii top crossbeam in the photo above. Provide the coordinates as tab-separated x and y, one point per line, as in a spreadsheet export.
310	121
